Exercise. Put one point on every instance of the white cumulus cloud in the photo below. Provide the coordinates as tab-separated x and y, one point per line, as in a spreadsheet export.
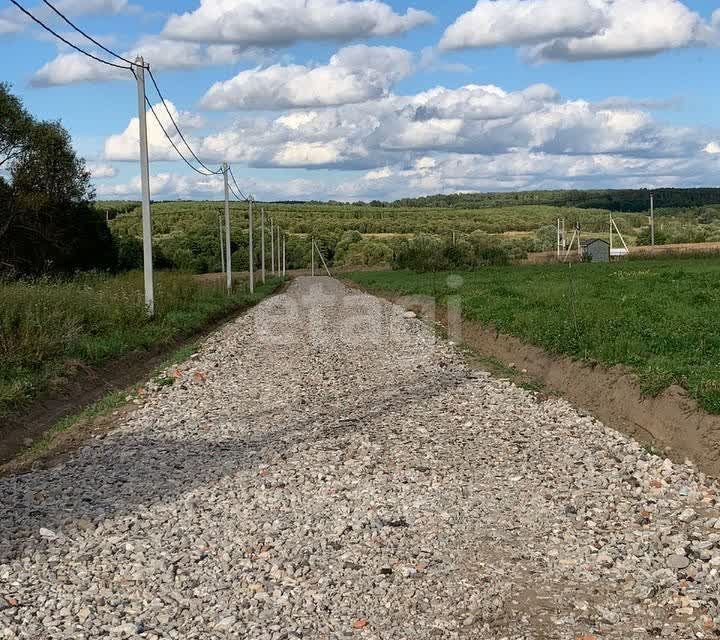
492	23
354	74
75	68
124	147
273	23
102	171
574	30
475	137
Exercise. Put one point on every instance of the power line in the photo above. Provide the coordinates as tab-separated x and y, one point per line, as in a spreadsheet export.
172	142
182	137
152	77
80	31
65	40
232	175
130	68
235	194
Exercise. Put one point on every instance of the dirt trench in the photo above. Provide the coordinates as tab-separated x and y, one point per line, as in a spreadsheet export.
672	421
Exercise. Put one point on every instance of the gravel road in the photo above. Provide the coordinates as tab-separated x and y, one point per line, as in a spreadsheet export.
325	467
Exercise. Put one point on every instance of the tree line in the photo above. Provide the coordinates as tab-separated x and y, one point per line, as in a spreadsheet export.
47	221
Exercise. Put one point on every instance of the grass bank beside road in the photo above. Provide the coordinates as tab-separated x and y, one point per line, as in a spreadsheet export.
49	329
661	318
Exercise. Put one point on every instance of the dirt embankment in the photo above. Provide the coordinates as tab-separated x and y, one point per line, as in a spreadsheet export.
671	421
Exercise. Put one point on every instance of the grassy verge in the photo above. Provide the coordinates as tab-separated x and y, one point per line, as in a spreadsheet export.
49	329
97	418
658	317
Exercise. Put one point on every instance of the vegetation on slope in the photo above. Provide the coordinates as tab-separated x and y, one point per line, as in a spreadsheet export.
48	328
628	200
187	233
657	317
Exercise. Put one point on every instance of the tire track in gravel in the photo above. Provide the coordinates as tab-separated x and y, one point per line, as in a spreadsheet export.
326	468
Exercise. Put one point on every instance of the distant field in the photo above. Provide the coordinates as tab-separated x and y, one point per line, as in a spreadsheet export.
658	317
186	234
48	328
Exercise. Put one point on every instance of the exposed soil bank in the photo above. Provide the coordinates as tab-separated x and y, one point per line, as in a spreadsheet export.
87	385
671	421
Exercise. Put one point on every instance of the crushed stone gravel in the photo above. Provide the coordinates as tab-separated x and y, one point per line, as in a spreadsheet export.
326	467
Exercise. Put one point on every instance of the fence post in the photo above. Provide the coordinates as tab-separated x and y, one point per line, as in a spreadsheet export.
272	247
284	258
312	259
145	182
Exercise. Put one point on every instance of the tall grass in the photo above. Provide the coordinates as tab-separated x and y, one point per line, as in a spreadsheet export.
48	327
658	317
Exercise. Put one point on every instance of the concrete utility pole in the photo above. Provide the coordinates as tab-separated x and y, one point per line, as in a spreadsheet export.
652	219
279	249
222	246
312	259
579	231
145	181
322	257
272	247
262	242
251	248
558	239
228	251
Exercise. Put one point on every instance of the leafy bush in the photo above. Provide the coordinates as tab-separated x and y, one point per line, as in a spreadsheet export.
423	253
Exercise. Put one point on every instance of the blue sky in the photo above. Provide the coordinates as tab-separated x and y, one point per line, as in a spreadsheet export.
352	99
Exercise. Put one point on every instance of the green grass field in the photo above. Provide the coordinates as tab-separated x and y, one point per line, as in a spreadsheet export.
48	328
660	318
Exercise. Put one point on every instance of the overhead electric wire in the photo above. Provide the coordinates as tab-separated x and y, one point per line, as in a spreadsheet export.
208	172
130	67
235	194
172	119
65	40
81	32
172	142
232	175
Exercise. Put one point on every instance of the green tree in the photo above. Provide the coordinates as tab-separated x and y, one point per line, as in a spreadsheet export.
644	237
47	221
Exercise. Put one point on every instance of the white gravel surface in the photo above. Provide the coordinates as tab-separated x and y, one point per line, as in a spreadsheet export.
325	468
